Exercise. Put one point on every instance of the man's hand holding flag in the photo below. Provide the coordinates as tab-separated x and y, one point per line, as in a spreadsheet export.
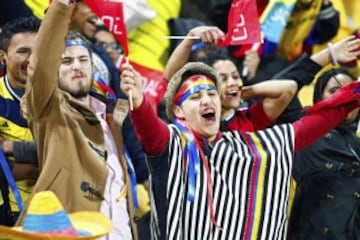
243	26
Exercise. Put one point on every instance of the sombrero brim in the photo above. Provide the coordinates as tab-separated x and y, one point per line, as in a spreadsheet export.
93	223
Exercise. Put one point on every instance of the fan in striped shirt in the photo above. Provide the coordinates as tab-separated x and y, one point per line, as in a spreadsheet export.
221	185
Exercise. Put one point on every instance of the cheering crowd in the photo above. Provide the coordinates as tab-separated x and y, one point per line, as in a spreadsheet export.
221	148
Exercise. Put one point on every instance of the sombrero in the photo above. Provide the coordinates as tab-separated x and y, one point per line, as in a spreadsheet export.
47	219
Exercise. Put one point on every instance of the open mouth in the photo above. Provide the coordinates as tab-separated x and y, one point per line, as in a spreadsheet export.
232	93
209	115
23	68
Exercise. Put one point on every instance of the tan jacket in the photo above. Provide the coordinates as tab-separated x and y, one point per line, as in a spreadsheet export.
69	137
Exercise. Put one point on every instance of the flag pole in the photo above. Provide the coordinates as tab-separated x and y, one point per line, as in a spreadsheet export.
181	37
130	91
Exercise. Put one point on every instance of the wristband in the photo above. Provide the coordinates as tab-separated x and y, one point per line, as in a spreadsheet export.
332	54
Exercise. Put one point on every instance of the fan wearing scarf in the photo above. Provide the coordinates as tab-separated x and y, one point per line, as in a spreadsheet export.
80	146
221	185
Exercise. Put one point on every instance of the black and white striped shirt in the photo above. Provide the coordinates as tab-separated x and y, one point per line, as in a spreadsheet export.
251	176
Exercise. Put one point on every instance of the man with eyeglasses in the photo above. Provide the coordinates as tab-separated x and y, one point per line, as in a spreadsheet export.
107	41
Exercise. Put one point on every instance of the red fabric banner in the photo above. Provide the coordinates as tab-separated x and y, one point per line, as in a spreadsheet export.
243	24
112	15
154	85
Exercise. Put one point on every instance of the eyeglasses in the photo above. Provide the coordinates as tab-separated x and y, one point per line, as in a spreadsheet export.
114	46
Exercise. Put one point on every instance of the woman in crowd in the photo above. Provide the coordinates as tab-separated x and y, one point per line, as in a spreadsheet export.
327	173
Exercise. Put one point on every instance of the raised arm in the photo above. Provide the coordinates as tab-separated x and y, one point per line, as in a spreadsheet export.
311	127
180	56
46	58
153	133
326	114
344	50
277	93
304	70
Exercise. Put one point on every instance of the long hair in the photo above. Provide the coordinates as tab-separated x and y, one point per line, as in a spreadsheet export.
323	80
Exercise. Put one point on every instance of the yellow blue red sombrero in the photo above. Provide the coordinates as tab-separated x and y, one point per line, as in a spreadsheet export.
47	219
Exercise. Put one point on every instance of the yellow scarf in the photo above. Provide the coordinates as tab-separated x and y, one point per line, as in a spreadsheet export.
298	27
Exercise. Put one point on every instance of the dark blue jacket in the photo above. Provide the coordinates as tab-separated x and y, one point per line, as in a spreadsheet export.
327	200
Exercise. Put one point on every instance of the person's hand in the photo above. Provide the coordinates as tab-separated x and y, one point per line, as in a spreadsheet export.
207	34
251	62
347	49
7	146
131	84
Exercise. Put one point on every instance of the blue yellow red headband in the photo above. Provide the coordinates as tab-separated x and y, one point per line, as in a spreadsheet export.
193	85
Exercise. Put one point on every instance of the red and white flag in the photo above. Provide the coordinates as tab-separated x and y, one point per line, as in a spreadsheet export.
112	15
243	24
154	85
